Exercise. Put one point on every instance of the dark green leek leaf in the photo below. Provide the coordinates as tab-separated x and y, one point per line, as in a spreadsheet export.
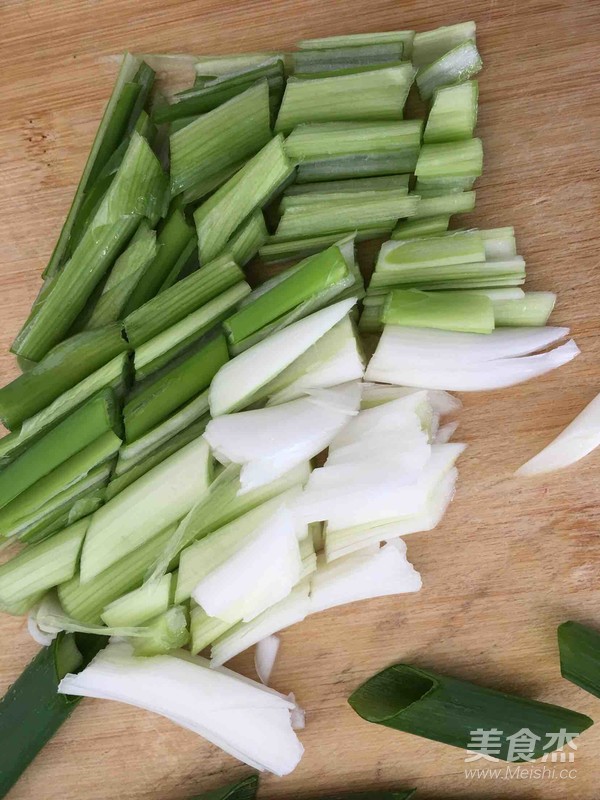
463	714
580	655
32	711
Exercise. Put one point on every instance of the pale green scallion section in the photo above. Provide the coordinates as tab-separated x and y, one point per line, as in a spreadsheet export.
374	95
219	216
457	65
449	311
429	46
450	160
453	113
218	140
140	605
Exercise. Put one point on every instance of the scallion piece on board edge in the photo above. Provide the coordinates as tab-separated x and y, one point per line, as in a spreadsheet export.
579	648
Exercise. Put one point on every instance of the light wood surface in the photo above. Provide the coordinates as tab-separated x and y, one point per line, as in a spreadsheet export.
513	558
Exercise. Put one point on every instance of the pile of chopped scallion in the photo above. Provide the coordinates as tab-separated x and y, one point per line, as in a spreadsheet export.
159	475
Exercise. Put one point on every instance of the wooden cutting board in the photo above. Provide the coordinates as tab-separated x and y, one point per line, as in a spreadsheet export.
513	558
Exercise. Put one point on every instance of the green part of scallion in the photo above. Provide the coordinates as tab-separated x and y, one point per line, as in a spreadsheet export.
431	45
449	311
51	320
78	430
458	203
75	502
63	367
174	387
452	711
452	159
248	239
433	251
126	273
426	226
531	310
314	275
453	113
218	91
168	631
156	457
455	66
41	566
378	183
173	237
158	352
220	139
86	601
240	790
180	300
334	59
224	211
279	249
16	515
204	629
32	710
138	451
205	187
327	140
374	95
405	38
579	648
472	275
354	167
437	187
110	131
327	72
345	211
140	605
111	375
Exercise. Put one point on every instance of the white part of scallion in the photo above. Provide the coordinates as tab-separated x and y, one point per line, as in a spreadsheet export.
576	441
265	656
242	717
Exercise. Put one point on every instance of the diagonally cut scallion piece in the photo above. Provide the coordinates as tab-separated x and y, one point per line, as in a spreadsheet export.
453	113
157	352
451	311
78	430
107	137
314	275
455	66
452	159
180	300
51	318
64	366
142	509
174	387
41	566
325	140
431	45
221	138
375	95
448	710
111	375
126	273
173	238
579	648
86	601
219	216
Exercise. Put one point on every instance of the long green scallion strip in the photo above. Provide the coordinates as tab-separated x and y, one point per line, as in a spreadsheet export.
374	95
41	566
579	648
110	131
314	275
220	139
219	216
127	271
173	238
64	366
180	300
448	710
110	375
176	386
278	249
357	165
449	311
32	710
355	57
78	430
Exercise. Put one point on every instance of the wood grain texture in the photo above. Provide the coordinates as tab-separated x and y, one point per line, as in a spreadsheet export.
513	558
